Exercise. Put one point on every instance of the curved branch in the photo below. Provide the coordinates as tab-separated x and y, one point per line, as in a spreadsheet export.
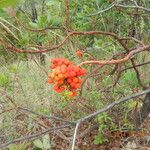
108	62
47	49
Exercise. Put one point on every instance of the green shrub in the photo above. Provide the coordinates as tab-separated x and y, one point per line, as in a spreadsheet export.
4	80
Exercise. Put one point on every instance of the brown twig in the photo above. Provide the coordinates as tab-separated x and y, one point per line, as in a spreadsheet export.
34	136
47	49
46	116
7	110
108	107
121	71
137	74
88	76
139	65
8	97
78	122
118	61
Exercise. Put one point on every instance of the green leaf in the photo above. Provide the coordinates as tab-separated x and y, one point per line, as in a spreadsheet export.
34	25
4	79
46	142
56	22
130	77
53	3
62	104
14	68
18	147
100	139
38	143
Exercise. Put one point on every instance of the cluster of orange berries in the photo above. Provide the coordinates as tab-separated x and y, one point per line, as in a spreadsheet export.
65	76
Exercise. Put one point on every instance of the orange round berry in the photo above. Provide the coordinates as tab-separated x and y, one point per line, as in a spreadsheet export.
63	70
79	53
52	75
60	76
70	94
50	81
72	74
60	82
75	80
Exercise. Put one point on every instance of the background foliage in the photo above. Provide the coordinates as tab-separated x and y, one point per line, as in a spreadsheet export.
23	76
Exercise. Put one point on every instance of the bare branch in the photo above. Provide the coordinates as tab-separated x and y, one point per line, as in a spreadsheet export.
114	4
101	11
34	136
47	49
67	13
112	105
121	71
78	122
74	136
8	98
142	64
108	62
45	116
104	110
134	7
134	39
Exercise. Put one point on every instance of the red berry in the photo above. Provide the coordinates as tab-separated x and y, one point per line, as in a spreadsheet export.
79	53
60	82
52	66
60	76
50	81
72	74
75	80
63	70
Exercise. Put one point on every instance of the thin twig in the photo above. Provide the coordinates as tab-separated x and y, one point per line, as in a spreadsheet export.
120	6
134	39
8	98
137	74
74	136
33	137
73	33
139	65
45	116
135	7
118	61
101	11
78	122
113	104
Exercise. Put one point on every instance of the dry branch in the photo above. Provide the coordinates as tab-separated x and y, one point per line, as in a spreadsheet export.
34	136
131	53
46	116
115	5
77	122
47	49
